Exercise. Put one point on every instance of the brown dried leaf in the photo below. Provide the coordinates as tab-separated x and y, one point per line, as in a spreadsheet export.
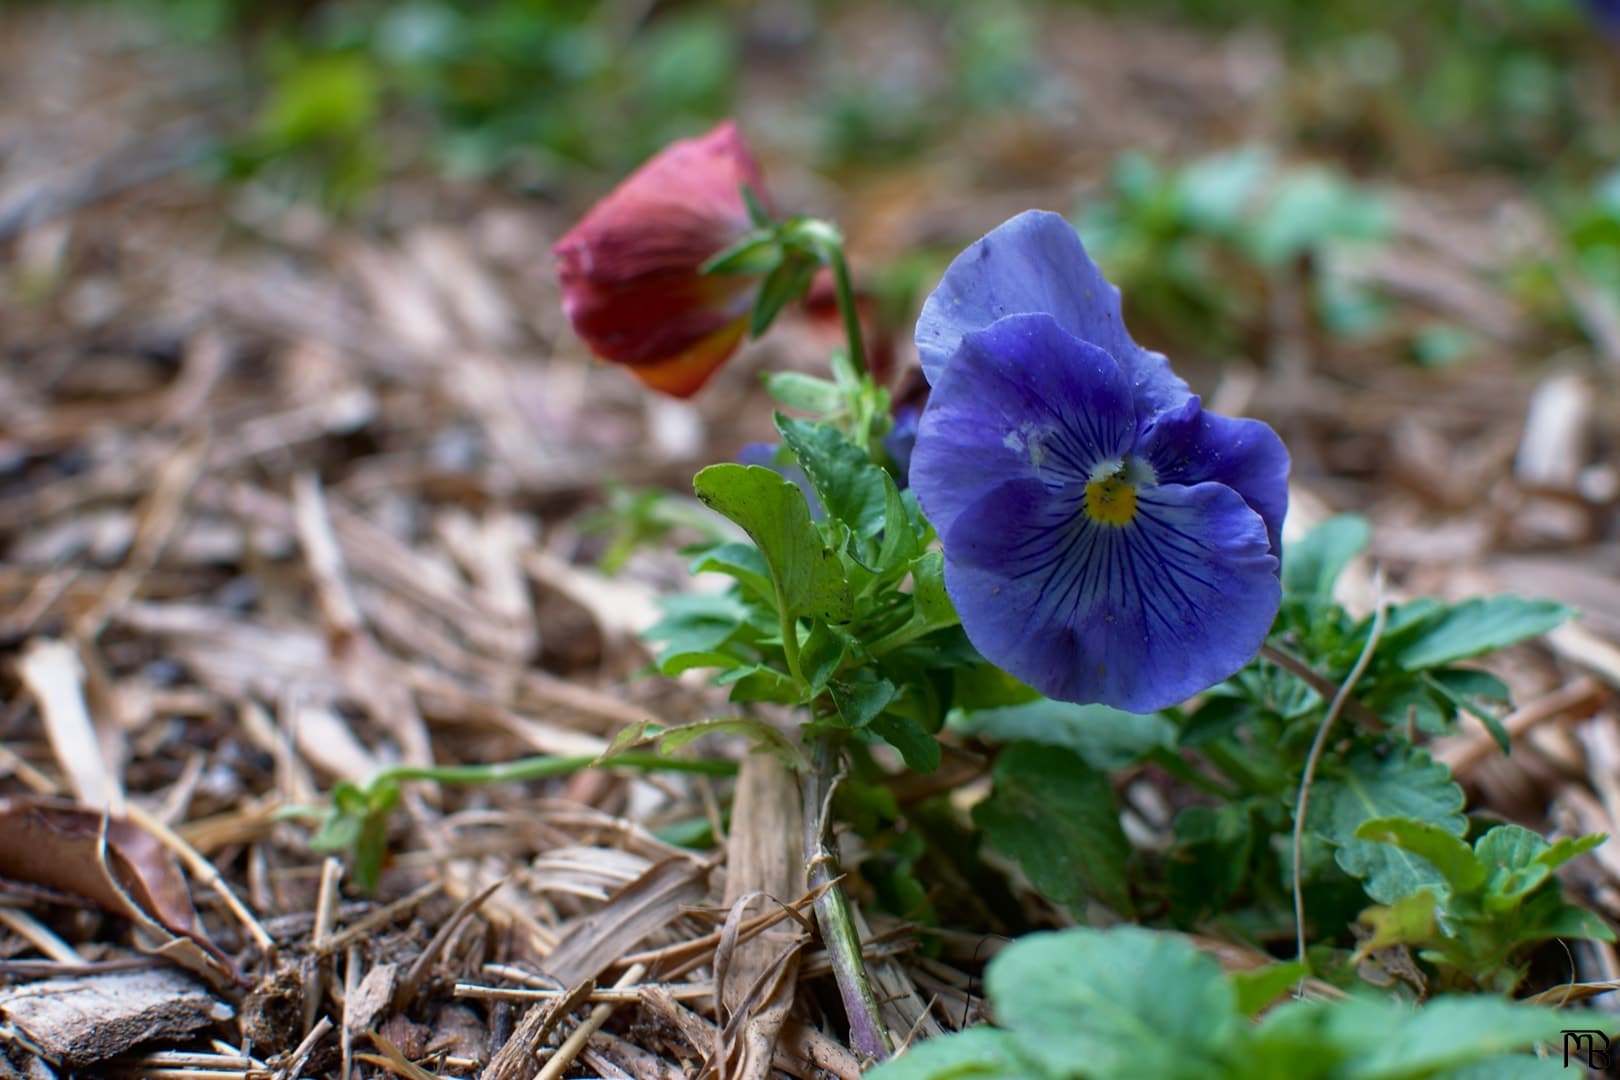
84	856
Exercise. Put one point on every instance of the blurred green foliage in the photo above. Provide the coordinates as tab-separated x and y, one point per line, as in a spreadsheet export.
542	90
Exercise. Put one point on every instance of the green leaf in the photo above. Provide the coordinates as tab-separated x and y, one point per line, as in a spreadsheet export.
1411	920
1215	191
806	393
1568	848
901	544
917	746
1479	626
743	563
1445	851
860	700
756	253
1448	1032
669	740
1508	853
1111	999
696	623
1508	1067
1311	566
758	216
1210	859
1378	1039
1462	687
787	283
849	485
1261	987
1407	783
773	512
821	655
1313	206
1106	737
1056	815
979	1053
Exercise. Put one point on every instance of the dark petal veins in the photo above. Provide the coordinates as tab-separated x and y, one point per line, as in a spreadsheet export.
1036	263
1139	617
1025	400
1187	445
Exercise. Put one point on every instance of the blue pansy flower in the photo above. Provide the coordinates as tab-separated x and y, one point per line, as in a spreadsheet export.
1106	540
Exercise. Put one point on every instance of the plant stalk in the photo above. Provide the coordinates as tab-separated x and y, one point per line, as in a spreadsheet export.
845	290
867	1033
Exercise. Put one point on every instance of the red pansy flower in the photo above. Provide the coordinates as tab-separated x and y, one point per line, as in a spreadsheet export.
631	269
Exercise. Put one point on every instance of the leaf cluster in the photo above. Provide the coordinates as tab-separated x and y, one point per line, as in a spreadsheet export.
1087	1004
836	602
1492	899
1244	747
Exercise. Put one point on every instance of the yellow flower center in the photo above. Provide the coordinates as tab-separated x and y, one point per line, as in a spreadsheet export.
1111	501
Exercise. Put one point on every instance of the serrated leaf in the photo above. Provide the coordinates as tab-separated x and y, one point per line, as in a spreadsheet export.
979	1053
1056	816
1411	920
916	745
806	393
1445	851
1107	998
808	577
1479	626
1405	783
1568	848
849	485
1312	566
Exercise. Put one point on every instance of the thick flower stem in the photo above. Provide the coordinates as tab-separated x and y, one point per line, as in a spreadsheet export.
867	1034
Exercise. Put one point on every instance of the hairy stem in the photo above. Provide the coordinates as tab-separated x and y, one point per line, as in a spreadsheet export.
867	1034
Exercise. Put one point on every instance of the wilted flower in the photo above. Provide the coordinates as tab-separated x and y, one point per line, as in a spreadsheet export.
1106	540
631	269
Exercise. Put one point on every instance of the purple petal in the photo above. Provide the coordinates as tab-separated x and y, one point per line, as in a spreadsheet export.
901	440
1140	616
1189	446
1023	400
1035	263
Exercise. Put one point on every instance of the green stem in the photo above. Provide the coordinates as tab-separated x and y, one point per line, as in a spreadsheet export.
867	1033
790	643
544	766
845	289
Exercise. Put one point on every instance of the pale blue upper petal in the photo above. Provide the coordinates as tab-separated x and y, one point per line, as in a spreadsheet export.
1036	263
